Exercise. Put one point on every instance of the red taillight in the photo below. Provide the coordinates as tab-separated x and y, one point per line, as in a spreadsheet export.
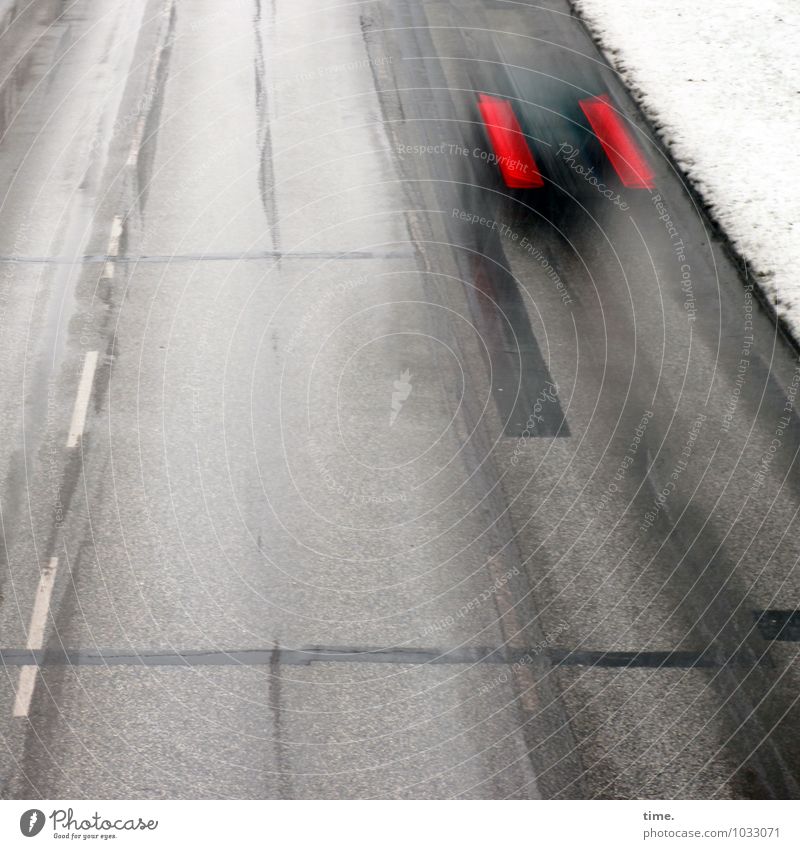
618	143
514	158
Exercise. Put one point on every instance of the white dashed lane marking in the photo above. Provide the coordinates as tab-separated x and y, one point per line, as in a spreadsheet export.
82	399
113	247
41	608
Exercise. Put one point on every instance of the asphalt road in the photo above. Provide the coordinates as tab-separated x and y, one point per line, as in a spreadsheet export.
330	468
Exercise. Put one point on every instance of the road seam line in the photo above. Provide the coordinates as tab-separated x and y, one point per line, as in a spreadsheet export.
245	256
499	655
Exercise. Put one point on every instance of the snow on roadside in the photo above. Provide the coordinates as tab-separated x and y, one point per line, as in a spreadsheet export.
720	82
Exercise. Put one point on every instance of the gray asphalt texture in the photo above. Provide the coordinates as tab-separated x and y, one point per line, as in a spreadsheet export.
360	506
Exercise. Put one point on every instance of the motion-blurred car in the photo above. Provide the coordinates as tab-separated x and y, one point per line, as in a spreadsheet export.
555	143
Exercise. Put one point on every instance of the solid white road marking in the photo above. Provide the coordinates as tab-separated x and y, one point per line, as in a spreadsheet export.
41	607
82	399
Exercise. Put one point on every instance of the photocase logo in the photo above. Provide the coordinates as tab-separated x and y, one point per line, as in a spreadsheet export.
66	825
31	822
402	389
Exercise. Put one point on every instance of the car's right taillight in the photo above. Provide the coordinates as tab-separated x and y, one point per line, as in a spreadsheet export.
618	142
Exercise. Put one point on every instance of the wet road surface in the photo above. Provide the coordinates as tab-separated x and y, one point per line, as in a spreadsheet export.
331	468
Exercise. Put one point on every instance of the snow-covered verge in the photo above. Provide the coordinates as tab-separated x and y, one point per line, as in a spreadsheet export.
720	82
